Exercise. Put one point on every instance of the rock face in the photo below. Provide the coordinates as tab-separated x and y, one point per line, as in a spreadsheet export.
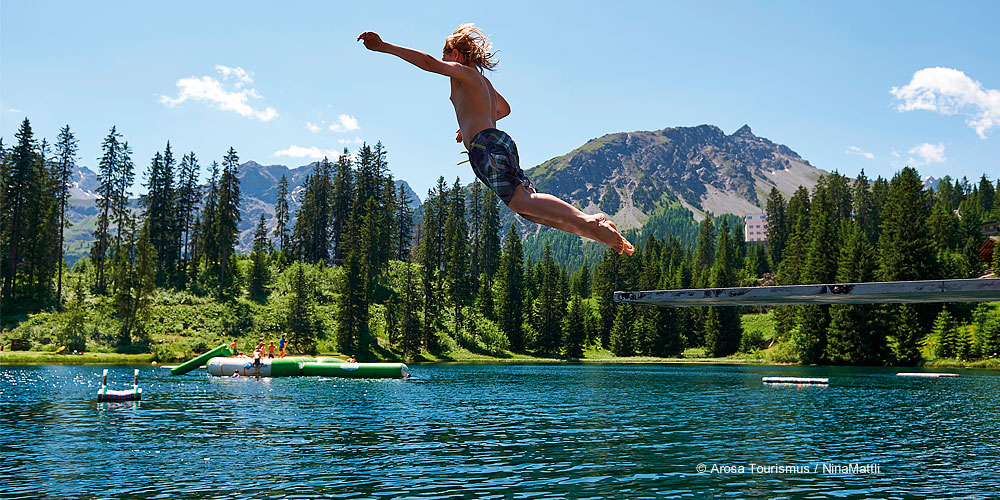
626	174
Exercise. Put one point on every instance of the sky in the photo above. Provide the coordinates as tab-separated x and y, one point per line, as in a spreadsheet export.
847	85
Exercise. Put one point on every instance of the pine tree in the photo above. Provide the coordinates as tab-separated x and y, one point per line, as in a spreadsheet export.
865	211
905	328
20	186
410	334
549	307
510	291
340	205
622	336
227	213
404	225
161	210
281	215
475	215
188	195
259	273
904	246
135	275
457	254
312	225
208	234
852	337
301	314
777	225
66	151
945	336
574	333
722	328
352	313
123	180
704	252
489	246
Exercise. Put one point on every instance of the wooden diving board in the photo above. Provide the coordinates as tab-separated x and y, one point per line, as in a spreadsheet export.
886	292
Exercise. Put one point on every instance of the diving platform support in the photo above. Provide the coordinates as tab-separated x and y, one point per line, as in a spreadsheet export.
885	292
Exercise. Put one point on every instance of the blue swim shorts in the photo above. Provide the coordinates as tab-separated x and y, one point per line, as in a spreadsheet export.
493	156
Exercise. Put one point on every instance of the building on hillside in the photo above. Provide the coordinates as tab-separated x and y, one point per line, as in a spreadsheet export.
755	228
991	228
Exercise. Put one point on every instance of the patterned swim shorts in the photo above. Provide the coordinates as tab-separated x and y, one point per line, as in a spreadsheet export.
493	156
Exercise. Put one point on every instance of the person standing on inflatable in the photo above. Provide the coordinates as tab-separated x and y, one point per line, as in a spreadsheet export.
492	153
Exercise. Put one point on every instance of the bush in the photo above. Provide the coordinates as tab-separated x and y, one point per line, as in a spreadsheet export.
782	352
494	341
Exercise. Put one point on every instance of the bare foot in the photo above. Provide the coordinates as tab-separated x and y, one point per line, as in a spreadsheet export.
626	247
616	241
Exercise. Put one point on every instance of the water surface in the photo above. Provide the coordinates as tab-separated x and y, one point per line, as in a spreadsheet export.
502	431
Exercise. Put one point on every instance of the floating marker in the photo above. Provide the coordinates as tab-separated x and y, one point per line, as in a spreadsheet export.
796	380
133	394
926	374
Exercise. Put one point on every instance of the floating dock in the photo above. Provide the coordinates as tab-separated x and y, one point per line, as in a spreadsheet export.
886	292
925	374
796	380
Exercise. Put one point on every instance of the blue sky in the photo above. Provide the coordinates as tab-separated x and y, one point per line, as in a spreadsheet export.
837	82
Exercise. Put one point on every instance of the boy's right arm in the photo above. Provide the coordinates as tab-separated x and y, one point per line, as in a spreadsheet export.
417	58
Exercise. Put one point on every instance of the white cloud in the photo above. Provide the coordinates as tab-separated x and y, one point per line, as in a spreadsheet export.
213	91
241	75
347	124
14	110
927	153
854	150
312	127
949	92
356	140
311	152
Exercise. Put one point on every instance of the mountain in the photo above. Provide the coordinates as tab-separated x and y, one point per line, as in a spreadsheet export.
628	175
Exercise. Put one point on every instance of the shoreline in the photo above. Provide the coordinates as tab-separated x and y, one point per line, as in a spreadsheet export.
40	358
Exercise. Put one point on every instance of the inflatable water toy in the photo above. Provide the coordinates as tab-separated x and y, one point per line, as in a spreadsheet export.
302	366
181	369
219	362
133	394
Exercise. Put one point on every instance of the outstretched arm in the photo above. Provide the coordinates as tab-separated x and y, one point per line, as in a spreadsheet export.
417	58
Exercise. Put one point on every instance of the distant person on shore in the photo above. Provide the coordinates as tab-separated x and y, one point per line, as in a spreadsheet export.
492	153
281	346
270	350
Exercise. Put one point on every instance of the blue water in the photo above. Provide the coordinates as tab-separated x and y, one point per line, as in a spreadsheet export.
501	431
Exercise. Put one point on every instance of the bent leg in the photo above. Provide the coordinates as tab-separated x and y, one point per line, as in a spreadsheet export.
553	212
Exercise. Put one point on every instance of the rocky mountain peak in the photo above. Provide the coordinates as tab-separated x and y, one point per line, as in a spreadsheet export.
744	131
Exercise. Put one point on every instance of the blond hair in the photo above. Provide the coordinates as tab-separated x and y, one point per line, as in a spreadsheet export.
471	42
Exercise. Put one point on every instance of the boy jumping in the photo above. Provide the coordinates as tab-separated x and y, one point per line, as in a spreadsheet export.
492	153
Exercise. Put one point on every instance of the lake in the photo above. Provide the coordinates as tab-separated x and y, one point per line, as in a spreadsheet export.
503	431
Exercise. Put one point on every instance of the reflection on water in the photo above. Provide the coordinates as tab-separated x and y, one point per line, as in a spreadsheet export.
501	431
